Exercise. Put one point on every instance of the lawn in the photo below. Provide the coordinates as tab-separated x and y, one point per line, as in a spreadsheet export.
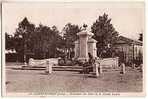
36	81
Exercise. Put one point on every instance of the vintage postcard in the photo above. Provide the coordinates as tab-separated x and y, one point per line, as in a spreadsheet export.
73	48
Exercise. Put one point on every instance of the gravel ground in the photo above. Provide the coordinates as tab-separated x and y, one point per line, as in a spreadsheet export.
65	81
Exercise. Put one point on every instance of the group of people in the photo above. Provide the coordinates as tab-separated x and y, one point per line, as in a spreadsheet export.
88	65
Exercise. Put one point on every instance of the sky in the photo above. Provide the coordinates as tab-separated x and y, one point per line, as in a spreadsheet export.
128	18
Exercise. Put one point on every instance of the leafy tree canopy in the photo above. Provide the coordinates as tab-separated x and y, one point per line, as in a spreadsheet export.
42	41
104	32
70	34
140	37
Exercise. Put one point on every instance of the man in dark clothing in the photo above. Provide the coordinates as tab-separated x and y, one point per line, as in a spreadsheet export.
89	64
91	59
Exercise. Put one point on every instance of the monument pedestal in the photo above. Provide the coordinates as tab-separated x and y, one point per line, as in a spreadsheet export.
83	46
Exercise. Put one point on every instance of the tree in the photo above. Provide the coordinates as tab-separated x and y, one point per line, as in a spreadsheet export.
70	35
104	33
57	42
41	41
22	37
46	41
140	37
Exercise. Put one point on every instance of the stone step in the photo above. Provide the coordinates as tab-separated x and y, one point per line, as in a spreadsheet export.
67	69
54	68
61	68
71	67
32	68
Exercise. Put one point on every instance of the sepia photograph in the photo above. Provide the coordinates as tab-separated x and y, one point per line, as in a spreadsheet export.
73	48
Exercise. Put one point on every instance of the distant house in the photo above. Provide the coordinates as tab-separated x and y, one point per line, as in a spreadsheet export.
11	55
10	51
132	49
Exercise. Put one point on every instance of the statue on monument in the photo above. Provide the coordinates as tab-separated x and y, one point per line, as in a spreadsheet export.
84	26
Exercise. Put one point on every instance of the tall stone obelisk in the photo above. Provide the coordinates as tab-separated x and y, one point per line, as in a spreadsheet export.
83	38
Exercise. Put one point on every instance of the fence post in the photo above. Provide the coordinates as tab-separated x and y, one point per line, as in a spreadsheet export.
31	62
117	61
96	69
133	66
100	69
141	67
48	67
122	68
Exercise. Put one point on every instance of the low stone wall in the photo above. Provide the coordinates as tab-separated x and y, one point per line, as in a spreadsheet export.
105	62
43	62
109	62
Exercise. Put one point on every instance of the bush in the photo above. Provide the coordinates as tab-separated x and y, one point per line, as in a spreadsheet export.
61	62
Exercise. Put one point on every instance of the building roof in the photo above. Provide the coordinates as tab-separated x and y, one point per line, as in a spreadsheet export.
125	40
92	40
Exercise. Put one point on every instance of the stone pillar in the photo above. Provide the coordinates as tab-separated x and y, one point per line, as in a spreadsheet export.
117	62
31	62
100	69
76	49
48	67
141	67
92	47
83	38
122	68
96	69
133	66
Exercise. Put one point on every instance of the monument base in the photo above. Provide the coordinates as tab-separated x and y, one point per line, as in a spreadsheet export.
83	59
